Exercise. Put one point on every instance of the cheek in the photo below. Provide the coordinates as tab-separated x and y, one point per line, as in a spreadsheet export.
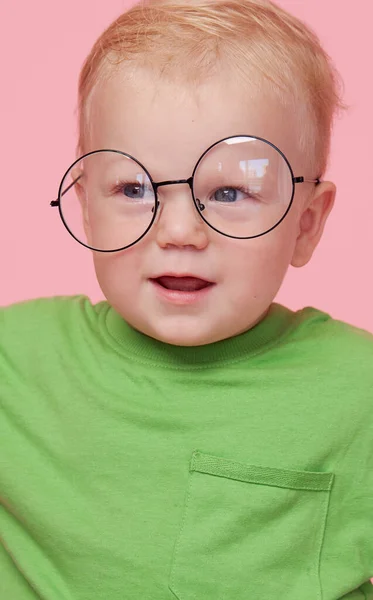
261	255
258	266
118	272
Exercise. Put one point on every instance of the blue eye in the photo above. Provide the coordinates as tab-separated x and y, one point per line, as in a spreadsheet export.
133	190
226	195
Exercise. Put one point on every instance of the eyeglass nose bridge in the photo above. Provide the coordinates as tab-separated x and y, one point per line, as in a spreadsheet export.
189	181
174	182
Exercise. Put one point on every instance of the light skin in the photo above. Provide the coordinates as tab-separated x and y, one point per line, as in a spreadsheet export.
167	127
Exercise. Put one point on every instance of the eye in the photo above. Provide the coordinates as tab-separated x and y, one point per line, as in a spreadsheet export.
230	194
134	190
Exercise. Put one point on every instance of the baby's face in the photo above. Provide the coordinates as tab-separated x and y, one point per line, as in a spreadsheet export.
167	127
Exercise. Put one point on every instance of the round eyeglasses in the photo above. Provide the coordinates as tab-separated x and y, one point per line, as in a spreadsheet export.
242	187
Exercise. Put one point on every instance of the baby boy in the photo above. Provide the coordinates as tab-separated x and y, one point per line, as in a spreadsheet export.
188	437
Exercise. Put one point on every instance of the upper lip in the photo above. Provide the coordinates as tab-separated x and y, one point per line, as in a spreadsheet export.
193	275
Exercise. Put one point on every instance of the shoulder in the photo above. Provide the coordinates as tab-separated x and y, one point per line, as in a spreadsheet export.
338	355
321	331
326	344
351	353
34	322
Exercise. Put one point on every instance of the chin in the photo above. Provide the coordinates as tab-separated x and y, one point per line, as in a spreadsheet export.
183	336
180	340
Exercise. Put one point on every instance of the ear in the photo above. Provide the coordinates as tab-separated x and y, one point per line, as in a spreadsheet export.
312	222
81	192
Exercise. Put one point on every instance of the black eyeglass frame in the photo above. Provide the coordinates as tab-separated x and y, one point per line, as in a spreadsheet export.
190	181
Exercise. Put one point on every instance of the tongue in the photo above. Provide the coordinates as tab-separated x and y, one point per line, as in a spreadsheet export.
183	284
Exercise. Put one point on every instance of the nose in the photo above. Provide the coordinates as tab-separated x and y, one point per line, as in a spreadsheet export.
178	222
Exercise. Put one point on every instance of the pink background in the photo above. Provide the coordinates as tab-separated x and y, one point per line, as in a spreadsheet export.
43	45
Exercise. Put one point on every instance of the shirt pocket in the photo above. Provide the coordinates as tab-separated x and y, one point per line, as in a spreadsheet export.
249	532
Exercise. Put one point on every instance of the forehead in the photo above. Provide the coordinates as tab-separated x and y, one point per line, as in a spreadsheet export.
163	122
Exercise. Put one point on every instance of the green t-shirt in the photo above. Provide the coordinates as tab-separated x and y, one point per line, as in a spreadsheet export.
134	469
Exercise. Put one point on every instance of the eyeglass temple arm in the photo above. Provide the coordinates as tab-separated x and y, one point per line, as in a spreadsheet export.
303	180
56	202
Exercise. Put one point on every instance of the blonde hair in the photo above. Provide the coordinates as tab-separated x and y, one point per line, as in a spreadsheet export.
191	39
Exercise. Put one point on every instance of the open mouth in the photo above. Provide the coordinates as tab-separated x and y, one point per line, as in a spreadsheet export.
183	284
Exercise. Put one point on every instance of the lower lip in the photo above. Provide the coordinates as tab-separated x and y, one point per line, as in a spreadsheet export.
181	298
